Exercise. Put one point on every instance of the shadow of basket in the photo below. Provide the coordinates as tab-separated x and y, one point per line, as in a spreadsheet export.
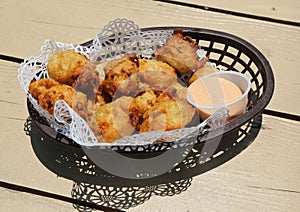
95	185
125	197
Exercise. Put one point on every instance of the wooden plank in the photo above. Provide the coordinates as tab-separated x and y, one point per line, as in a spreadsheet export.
18	201
68	22
287	10
18	162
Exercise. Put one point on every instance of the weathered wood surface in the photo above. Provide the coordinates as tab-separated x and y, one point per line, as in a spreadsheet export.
25	29
263	177
18	201
18	162
276	9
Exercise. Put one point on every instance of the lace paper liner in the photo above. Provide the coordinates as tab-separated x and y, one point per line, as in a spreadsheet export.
118	37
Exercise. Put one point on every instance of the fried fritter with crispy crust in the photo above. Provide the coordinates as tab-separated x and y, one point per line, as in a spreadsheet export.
48	91
47	98
167	115
117	71
113	120
157	74
180	53
174	92
139	105
65	66
207	69
82	105
91	121
156	65
88	81
40	86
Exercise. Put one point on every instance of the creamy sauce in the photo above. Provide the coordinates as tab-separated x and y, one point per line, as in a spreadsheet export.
214	91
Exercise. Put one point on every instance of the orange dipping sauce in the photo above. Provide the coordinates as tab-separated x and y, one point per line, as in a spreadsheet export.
211	93
214	92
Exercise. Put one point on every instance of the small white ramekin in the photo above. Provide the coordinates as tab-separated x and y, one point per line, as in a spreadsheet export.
235	107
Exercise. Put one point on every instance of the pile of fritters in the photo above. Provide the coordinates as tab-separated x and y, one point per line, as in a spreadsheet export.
126	95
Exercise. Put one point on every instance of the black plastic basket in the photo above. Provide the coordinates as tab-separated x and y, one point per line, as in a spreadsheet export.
230	53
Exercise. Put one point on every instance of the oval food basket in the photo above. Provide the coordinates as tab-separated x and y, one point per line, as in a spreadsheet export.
228	52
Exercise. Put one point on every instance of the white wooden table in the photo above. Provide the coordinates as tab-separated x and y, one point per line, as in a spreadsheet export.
264	177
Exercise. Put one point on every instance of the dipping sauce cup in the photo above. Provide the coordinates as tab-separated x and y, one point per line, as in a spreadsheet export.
224	89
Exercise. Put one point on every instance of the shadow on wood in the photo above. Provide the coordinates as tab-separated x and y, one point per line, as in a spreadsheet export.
93	184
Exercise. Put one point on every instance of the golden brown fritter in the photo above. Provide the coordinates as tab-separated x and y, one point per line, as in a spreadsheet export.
180	53
155	65
139	105
88	81
101	96
47	91
113	120
91	121
201	72
117	71
50	96
157	74
167	115
65	66
40	86
82	105
176	91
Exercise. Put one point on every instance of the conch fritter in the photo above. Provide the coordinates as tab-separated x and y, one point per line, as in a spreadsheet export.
47	98
180	53
82	105
156	65
140	105
117	71
65	66
157	74
88	81
175	91
113	119
201	72
40	86
167	115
